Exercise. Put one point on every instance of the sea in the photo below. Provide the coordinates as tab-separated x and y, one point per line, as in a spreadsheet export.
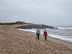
62	33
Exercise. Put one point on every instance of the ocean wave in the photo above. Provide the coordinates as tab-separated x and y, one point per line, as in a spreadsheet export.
64	27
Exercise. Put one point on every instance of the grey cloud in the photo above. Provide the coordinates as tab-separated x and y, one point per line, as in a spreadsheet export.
50	12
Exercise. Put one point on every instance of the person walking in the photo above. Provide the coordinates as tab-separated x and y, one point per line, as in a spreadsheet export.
38	33
45	34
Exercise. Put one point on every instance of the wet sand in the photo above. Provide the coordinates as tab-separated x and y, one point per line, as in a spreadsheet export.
14	41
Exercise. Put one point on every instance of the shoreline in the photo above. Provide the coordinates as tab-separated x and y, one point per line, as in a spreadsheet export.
14	41
51	38
50	35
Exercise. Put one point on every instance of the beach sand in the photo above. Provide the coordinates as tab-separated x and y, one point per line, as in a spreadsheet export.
14	41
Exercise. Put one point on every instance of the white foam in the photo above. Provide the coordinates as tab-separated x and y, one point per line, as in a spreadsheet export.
30	30
64	27
51	35
61	37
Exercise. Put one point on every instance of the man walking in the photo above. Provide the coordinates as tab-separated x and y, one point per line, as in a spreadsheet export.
38	33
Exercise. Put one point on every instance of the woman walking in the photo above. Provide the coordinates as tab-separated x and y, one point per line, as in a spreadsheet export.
45	34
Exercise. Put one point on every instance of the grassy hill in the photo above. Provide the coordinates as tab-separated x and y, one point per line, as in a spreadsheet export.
18	22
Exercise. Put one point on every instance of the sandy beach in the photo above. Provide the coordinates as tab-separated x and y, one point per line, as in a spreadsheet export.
14	41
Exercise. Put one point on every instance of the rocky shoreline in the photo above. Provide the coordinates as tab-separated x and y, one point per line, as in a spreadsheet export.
36	26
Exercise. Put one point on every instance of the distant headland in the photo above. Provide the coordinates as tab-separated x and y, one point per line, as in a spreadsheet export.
29	26
13	23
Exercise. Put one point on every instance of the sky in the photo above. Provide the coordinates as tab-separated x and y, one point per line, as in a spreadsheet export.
49	12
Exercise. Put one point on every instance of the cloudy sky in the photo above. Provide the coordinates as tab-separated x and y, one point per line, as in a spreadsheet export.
49	12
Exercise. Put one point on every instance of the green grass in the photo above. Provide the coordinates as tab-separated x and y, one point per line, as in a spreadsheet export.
13	23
